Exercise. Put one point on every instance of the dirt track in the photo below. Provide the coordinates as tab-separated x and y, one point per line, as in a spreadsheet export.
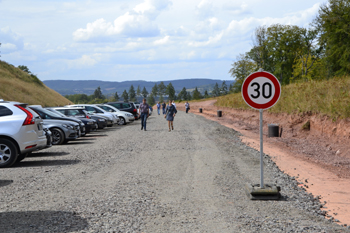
126	180
321	155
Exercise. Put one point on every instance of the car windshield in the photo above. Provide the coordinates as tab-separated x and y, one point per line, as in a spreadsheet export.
75	112
46	114
57	112
106	108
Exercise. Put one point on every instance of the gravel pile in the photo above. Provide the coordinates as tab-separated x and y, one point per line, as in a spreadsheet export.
126	180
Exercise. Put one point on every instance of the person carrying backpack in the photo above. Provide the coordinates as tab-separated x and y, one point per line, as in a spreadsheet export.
187	106
170	114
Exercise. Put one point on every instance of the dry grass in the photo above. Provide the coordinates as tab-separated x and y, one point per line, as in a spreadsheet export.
327	97
16	85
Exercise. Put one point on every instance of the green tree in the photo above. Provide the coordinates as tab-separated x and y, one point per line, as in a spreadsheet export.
132	93
189	96
216	90
125	96
277	48
182	94
144	92
161	89
138	91
116	96
170	91
24	68
243	67
151	100
206	95
98	93
333	23
196	95
155	90
223	88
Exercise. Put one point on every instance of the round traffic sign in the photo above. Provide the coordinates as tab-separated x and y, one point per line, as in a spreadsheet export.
261	90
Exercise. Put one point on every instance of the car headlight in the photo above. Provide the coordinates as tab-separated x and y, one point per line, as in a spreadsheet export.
68	126
90	123
101	120
129	115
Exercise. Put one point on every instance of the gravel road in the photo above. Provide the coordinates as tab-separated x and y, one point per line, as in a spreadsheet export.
123	179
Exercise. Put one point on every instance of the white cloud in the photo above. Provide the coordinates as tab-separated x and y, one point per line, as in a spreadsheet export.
236	7
212	40
136	23
152	8
204	9
84	61
10	41
162	41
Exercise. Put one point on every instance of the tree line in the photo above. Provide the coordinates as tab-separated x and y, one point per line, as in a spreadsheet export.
159	92
297	54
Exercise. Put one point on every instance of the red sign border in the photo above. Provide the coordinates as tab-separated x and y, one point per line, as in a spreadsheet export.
267	75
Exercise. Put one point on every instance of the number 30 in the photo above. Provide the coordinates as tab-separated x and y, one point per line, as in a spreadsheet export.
264	94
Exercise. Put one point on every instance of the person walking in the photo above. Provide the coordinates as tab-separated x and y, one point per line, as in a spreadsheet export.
187	106
158	108
170	114
144	111
164	106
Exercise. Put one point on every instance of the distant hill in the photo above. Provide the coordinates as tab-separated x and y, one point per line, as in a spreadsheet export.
17	85
68	87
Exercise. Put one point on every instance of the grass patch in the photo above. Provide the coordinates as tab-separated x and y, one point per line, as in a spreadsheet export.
327	97
17	85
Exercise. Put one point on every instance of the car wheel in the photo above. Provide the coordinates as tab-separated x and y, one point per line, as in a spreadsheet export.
57	136
122	121
20	157
8	153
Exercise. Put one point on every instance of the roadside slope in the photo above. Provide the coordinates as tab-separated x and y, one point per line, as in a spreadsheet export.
17	85
318	158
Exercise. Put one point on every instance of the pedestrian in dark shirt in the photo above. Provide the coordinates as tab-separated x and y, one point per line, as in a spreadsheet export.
187	106
170	114
144	111
164	106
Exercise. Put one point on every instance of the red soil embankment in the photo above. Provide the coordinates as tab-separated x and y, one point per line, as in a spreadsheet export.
318	157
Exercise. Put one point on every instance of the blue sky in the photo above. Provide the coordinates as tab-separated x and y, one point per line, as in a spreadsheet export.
149	40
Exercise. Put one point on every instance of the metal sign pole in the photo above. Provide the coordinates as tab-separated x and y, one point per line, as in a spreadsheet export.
261	151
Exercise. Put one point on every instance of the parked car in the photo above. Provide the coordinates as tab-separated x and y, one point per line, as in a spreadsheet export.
90	124
125	117
92	109
126	107
45	114
21	132
62	130
101	120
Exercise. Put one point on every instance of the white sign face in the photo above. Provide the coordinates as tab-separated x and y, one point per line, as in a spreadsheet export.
261	90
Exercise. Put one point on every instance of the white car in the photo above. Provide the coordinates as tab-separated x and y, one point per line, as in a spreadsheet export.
93	109
21	132
125	117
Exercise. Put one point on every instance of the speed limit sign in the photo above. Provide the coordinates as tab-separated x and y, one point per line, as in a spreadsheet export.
261	90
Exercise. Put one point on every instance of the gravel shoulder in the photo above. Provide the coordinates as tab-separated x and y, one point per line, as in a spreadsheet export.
123	179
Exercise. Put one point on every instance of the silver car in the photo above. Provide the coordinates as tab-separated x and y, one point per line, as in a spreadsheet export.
21	132
92	109
62	131
125	117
